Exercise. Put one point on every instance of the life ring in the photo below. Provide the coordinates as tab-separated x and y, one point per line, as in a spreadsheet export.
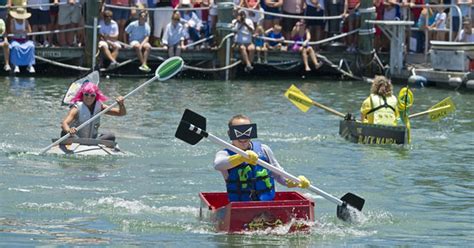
405	92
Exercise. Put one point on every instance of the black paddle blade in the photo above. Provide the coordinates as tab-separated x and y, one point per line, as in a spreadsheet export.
352	200
187	135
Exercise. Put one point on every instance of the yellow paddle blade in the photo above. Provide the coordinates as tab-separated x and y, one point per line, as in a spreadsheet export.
298	98
437	115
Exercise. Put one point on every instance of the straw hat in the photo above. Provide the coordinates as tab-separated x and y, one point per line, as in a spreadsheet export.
2	27
20	13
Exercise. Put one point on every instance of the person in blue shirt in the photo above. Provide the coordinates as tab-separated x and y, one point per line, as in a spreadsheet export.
245	179
138	36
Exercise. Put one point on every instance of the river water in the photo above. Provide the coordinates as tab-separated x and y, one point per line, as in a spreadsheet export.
416	195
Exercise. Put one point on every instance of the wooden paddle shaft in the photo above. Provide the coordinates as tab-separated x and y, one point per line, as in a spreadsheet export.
319	105
429	111
274	169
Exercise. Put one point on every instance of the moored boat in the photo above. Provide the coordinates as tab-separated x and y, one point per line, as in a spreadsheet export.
235	217
364	133
84	146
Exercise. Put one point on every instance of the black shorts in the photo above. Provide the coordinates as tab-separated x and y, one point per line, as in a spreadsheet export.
287	24
312	11
39	17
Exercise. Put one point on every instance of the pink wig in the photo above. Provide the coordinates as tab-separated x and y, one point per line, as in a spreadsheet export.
88	87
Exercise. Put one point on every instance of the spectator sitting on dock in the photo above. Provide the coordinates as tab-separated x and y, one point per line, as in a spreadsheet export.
275	33
138	35
244	29
4	44
173	38
381	106
120	15
260	44
245	179
301	35
108	42
22	50
466	34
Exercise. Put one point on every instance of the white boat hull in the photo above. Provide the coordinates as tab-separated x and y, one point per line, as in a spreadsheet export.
89	147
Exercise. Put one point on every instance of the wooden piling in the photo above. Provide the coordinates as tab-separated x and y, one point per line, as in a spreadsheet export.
225	15
92	11
366	37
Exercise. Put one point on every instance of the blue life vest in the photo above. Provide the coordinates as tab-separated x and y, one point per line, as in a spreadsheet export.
250	182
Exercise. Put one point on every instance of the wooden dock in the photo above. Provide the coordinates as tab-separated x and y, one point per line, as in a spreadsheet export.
203	63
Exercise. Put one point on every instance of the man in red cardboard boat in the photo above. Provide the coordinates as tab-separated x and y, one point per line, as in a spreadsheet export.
245	179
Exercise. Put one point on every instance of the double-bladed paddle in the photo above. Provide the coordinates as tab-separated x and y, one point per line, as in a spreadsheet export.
303	102
166	70
439	110
192	128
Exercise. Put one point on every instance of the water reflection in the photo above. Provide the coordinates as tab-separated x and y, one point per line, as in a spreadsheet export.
20	85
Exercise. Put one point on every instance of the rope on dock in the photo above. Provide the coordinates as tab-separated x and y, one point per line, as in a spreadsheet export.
74	67
80	68
213	69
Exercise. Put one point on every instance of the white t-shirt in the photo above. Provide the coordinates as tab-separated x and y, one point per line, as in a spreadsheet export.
243	35
110	30
441	17
463	37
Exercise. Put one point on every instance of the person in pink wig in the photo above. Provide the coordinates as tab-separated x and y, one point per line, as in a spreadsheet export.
88	101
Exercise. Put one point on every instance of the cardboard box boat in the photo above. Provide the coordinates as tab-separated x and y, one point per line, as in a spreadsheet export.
234	217
364	133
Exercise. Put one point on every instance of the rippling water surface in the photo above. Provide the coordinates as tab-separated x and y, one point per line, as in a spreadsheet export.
417	195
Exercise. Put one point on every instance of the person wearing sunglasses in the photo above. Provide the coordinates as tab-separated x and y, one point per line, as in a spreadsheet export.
245	179
88	102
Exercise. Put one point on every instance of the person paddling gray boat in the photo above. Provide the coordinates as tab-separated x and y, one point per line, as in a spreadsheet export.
87	102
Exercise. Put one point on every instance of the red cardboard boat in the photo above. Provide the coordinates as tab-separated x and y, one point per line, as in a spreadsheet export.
235	217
